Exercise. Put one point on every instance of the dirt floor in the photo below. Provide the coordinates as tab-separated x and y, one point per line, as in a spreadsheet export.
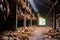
36	34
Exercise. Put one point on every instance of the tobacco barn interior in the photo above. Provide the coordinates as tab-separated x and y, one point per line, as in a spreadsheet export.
29	19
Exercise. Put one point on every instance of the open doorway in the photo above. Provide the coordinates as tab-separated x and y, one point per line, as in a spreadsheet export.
41	21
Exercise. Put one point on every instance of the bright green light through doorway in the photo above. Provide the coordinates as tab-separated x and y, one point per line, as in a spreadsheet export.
41	21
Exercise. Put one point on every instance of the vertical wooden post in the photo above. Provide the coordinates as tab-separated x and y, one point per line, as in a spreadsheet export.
25	16
16	14
25	19
31	22
54	19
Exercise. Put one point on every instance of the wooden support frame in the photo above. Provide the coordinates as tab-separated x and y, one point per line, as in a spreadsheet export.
16	14
54	19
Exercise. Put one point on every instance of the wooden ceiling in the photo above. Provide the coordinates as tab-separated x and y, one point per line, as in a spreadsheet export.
44	6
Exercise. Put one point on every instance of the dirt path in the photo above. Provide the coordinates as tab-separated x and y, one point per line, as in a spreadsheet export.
38	34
